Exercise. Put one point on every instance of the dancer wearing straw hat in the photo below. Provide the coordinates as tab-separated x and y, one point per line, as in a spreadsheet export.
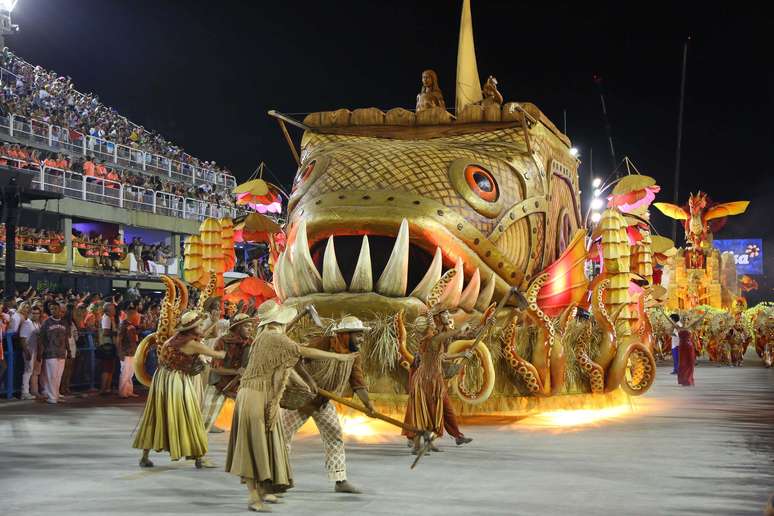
172	420
256	449
347	338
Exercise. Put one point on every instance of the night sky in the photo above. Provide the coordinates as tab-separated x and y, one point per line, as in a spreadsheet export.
205	73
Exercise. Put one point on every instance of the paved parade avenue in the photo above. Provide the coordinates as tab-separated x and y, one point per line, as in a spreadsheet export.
677	450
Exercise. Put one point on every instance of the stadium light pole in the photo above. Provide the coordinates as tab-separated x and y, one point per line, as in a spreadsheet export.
6	26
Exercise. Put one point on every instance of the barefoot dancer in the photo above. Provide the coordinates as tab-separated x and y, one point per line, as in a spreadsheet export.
172	420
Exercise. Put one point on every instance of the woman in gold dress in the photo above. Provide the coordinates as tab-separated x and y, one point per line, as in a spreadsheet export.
427	386
172	419
256	449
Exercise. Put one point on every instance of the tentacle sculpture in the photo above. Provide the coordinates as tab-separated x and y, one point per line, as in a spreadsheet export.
643	328
405	358
558	359
485	388
609	346
521	366
546	335
593	370
634	368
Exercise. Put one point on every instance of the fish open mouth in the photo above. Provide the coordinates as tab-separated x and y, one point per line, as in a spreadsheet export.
345	266
347	250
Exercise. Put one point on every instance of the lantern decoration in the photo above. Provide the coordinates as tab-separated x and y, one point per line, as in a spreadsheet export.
227	242
192	263
259	195
212	254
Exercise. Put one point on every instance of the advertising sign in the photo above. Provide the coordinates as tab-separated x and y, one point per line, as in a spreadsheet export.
748	253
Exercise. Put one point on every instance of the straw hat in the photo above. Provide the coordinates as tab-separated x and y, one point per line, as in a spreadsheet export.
189	320
271	312
349	324
239	319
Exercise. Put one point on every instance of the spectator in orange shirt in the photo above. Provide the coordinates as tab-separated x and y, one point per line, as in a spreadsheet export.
88	167
101	170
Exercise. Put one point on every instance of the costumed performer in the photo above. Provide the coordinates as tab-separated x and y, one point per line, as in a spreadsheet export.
347	338
256	449
172	420
428	407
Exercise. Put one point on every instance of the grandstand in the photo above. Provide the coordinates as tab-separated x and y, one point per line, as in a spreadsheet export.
121	183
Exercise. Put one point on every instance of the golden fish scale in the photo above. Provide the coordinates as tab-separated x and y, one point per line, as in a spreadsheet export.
419	166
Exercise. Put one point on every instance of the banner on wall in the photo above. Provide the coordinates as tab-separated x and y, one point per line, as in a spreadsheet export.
748	253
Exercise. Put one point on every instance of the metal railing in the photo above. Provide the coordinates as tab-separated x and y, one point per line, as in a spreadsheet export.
85	373
74	142
104	191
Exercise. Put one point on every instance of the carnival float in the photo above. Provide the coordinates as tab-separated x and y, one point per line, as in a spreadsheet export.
395	213
700	280
386	203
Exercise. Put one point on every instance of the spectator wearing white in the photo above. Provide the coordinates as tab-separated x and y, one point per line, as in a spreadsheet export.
53	336
28	337
15	318
106	351
126	345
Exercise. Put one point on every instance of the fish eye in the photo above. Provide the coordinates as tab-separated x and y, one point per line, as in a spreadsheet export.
482	183
478	185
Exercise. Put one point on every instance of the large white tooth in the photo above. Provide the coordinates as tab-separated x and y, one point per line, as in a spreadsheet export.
431	277
276	278
451	297
362	280
394	278
308	278
287	278
485	297
332	279
470	294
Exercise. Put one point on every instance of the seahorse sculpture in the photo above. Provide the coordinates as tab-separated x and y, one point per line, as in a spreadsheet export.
643	328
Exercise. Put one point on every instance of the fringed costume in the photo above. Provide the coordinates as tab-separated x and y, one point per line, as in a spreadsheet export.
257	448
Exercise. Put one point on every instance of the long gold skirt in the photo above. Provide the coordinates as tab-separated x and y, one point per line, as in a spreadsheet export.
172	419
254	451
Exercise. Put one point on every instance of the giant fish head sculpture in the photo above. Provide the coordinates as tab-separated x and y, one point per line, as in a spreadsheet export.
378	213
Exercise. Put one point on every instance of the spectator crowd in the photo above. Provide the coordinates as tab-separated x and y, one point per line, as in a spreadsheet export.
35	93
50	329
99	171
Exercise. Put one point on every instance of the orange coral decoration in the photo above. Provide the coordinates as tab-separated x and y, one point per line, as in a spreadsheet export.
249	288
